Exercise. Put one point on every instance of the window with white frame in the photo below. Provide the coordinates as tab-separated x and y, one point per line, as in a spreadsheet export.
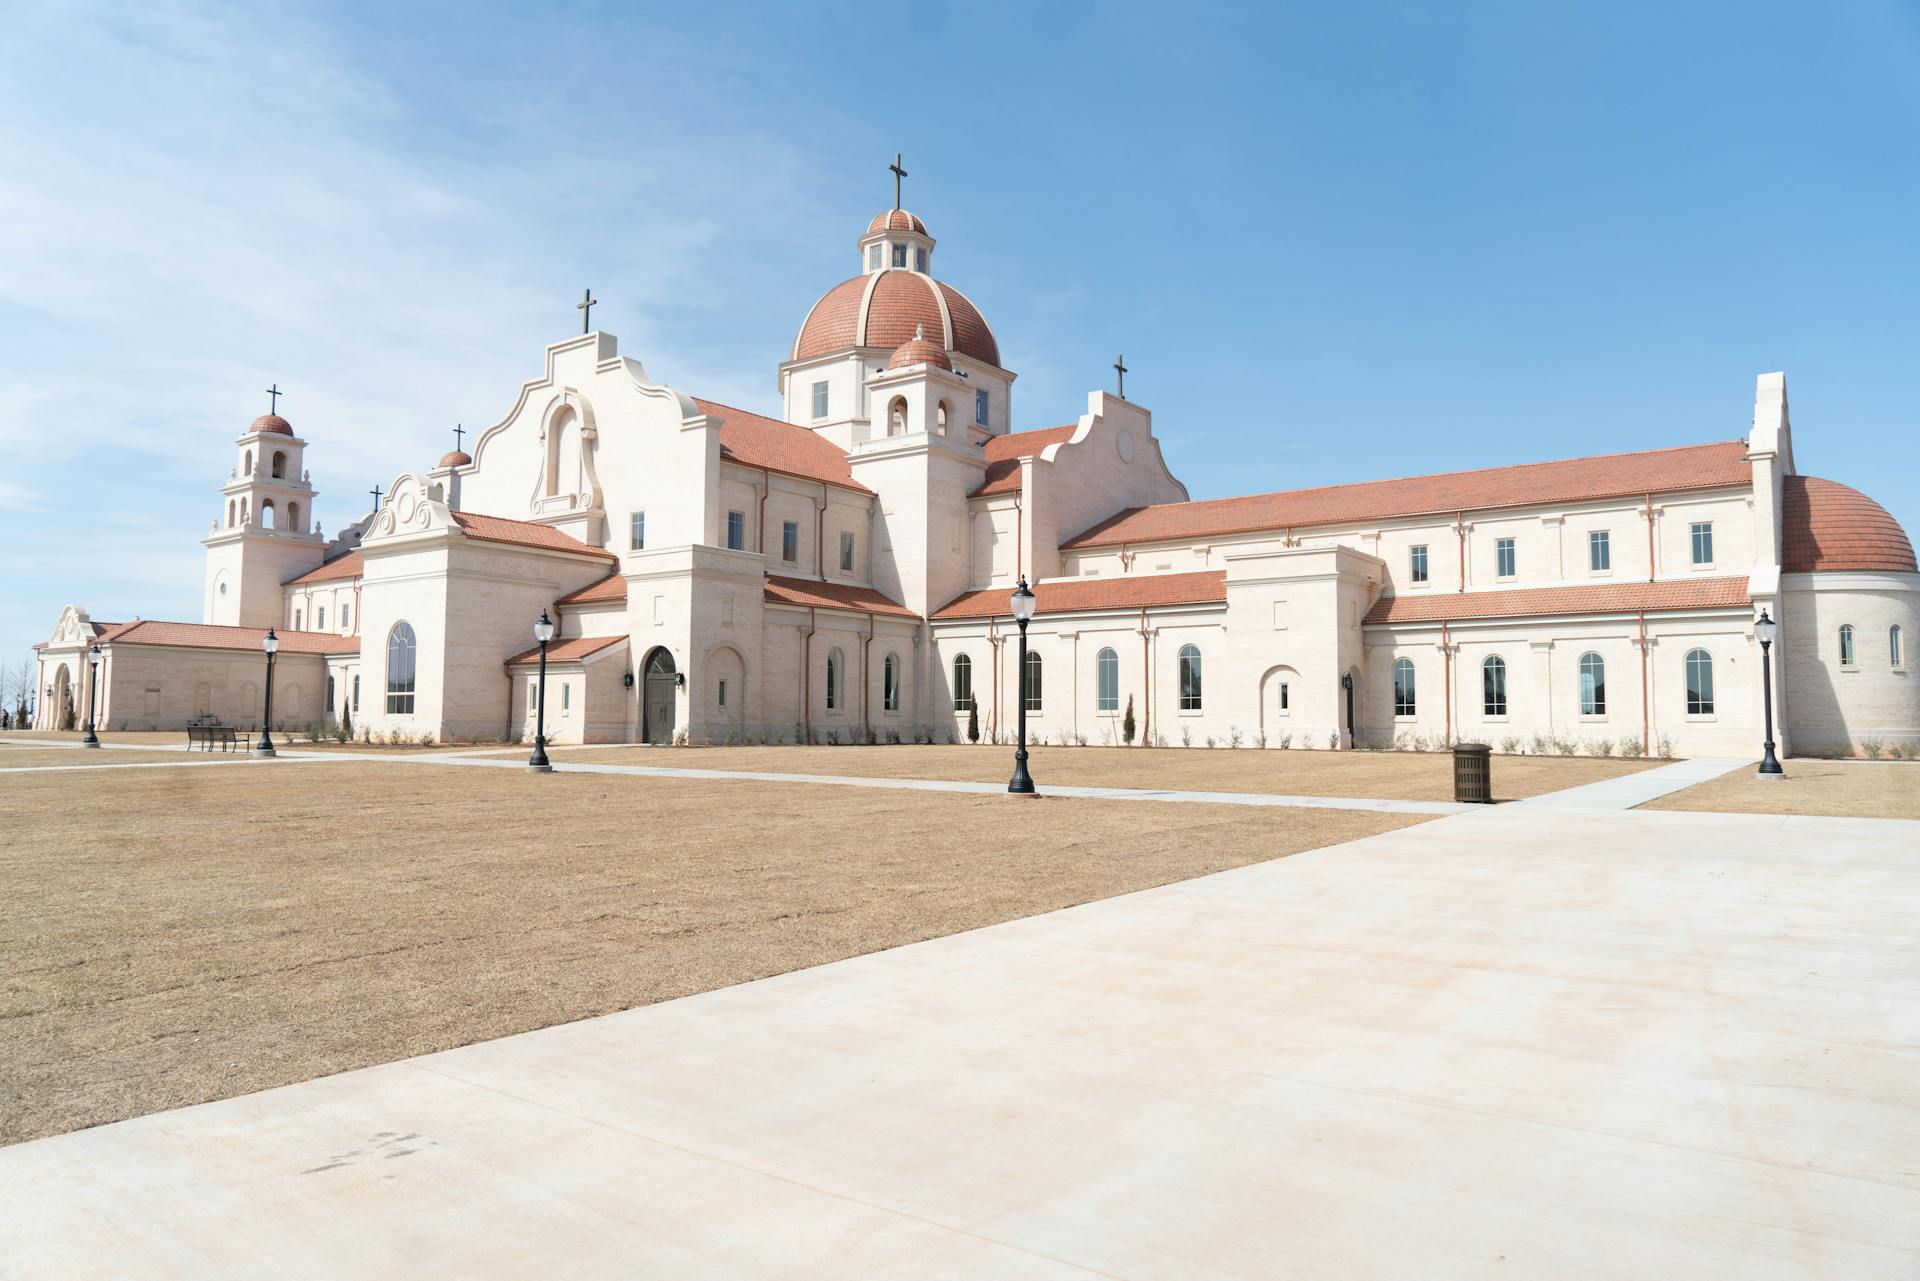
1404	703
873	257
835	665
1699	683
920	261
846	551
1893	646
1701	532
637	532
890	684
980	407
400	670
1106	680
296	621
899	255
320	618
1599	551
820	400
1417	562
1505	562
346	618
1493	686
1286	699
1846	645
1030	687
1190	700
736	531
1593	684
790	541
962	683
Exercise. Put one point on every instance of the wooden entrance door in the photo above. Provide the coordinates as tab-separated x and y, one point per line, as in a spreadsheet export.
658	702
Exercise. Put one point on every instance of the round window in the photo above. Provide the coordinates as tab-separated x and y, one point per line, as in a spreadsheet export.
1125	443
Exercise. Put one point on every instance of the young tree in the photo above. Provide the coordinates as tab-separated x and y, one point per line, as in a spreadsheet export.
22	692
973	723
1127	727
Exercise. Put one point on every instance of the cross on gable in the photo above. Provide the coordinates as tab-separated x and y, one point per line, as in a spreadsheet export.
1120	367
898	174
375	491
586	305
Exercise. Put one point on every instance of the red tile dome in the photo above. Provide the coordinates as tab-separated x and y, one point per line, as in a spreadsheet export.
1826	525
273	424
454	458
896	220
919	350
883	309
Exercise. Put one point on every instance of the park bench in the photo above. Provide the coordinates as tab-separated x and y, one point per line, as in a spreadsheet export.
208	735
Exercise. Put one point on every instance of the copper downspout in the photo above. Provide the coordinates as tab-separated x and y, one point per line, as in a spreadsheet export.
1460	528
866	680
806	680
993	713
820	538
1146	674
1446	682
1646	705
766	487
1019	536
1649	515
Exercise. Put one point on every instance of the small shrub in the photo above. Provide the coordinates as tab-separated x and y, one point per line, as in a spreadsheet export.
973	721
1127	727
1333	741
1186	736
1285	740
1632	746
1260	739
1665	748
1079	740
1872	748
1233	736
1509	746
1541	745
1603	747
1567	746
1902	751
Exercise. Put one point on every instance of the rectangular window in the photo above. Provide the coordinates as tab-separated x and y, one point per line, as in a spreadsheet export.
873	257
533	695
899	255
736	531
819	400
566	698
296	620
920	261
637	531
356	693
1285	700
723	691
346	618
1417	562
1702	542
1503	558
980	407
320	619
1599	551
790	542
846	551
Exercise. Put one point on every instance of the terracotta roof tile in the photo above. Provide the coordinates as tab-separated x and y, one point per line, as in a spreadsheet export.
571	650
349	565
1077	595
971	336
896	220
523	533
899	302
1826	526
273	424
1528	484
153	631
1005	452
756	441
611	588
1581	598
806	591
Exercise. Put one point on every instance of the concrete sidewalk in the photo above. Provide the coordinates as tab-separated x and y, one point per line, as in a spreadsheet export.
1527	1042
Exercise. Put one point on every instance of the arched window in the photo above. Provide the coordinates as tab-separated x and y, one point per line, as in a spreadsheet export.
1893	645
1030	687
1493	686
279	465
1846	645
400	670
1106	676
267	514
835	664
897	417
1593	684
243	511
1403	692
1189	678
940	418
890	684
330	694
246	464
1699	683
962	683
229	513
293	517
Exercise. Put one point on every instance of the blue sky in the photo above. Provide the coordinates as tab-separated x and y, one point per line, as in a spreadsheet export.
1336	242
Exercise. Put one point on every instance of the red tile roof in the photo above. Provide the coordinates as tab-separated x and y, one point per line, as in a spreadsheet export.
1582	598
919	351
756	441
153	631
1005	452
1076	595
273	424
1826	525
806	591
1653	471
896	220
611	588
571	650
348	566
523	533
897	303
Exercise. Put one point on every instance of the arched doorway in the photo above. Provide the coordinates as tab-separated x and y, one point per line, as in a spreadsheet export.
657	698
62	699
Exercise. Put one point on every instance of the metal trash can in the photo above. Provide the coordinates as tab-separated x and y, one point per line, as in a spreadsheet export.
1473	773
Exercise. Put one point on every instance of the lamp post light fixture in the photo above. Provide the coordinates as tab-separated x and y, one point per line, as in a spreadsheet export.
93	696
271	644
543	630
1022	783
1346	683
1764	630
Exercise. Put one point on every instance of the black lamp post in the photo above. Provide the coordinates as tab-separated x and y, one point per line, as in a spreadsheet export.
271	644
1764	629
1022	784
543	632
93	695
1346	683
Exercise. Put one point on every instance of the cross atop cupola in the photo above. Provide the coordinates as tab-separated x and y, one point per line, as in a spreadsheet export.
896	239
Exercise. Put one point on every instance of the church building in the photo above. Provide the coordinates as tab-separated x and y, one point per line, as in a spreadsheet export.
841	573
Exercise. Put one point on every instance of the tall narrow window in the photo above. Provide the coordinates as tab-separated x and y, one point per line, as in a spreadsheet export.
1030	687
320	618
1286	702
1702	535
356	691
820	400
400	670
1599	551
1190	700
1417	562
637	531
834	664
1846	645
1505	562
737	531
1893	645
846	551
890	684
962	683
279	465
722	693
1493	686
873	257
790	542
330	684
346	618
899	255
1593	685
980	407
296	621
1699	683
920	261
1106	676
1403	690
897	417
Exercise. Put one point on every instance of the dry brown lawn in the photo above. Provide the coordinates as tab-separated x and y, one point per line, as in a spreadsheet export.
1400	776
1831	789
174	936
18	757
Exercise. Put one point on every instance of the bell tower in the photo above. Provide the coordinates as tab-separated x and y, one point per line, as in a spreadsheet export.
264	532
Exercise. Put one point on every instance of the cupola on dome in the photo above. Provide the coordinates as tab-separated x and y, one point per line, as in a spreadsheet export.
455	458
273	424
895	220
918	350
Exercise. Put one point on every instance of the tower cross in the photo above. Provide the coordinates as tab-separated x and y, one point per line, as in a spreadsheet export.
898	174
586	305
458	432
273	398
375	491
1120	367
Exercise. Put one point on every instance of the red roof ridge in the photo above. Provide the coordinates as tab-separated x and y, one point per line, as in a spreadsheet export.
228	636
612	587
488	528
348	564
755	440
1004	453
831	595
1572	598
1077	595
567	650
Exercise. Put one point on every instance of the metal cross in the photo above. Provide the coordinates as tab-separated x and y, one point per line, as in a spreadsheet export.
1120	367
586	305
375	491
898	174
458	432
273	398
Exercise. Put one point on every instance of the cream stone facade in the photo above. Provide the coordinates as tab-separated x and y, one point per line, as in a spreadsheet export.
842	574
